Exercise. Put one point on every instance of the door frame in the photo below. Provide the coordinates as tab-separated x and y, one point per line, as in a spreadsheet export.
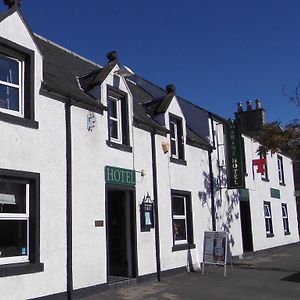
132	194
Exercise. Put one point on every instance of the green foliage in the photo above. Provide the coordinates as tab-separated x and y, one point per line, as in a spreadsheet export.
275	138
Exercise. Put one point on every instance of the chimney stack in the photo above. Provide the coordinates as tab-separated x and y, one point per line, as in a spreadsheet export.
251	119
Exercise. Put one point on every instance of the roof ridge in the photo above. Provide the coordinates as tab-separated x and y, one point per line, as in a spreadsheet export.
67	50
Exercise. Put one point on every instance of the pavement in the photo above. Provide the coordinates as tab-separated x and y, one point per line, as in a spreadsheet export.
270	274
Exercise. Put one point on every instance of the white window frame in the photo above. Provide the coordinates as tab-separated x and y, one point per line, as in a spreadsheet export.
175	139
285	218
19	86
18	217
268	218
181	217
118	119
280	169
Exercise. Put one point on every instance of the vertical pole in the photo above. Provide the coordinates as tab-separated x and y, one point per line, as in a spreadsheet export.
69	199
157	241
212	192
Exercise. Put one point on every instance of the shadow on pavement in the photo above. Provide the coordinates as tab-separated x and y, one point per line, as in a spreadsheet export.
293	278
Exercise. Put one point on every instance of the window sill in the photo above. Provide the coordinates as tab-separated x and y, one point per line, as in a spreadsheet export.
125	148
287	233
20	268
265	179
282	183
183	247
178	161
269	235
18	121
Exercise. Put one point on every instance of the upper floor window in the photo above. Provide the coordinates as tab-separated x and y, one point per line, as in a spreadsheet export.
176	138
118	119
280	169
265	175
16	84
11	85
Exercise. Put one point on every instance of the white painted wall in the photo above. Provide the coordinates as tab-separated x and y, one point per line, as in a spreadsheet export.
43	151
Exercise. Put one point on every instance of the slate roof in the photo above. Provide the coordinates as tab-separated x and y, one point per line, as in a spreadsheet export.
68	74
61	69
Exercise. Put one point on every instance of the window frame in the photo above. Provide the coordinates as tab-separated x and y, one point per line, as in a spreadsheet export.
280	170
285	219
31	264
27	56
117	119
179	155
265	175
187	243
268	219
123	141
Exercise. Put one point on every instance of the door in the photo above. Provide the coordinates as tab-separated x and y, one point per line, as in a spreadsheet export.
120	224
246	226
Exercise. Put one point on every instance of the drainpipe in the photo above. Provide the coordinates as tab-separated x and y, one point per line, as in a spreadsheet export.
156	228
69	199
212	192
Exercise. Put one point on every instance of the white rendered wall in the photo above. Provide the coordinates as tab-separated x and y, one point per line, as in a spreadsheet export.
43	151
259	191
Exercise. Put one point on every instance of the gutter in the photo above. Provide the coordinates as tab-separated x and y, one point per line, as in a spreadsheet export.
69	216
212	192
155	199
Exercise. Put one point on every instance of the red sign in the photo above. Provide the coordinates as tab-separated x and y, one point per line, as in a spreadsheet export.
260	163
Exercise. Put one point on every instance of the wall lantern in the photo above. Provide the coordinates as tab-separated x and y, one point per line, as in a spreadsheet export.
147	213
165	147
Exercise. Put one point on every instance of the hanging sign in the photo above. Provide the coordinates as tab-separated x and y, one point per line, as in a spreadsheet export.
119	176
235	161
260	163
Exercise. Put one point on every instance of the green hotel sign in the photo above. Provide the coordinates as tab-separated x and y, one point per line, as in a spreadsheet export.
119	176
235	156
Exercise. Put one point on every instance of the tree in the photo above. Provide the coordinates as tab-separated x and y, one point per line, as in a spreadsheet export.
294	98
275	138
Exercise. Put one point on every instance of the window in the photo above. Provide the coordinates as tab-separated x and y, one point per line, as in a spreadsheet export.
182	220
118	120
16	84
115	119
265	175
11	85
19	222
285	219
176	139
280	169
268	219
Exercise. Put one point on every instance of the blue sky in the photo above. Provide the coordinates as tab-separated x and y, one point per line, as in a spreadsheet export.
216	52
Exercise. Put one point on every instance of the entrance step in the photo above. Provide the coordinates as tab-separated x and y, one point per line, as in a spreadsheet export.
116	282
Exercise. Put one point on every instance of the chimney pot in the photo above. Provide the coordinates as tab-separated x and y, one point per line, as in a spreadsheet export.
258	103
170	88
239	107
249	105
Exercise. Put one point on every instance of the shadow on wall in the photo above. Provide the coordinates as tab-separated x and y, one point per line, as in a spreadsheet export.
225	204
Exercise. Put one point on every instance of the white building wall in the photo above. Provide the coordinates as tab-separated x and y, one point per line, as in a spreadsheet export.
42	151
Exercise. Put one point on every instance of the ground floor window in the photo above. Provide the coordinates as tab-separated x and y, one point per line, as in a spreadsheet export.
285	218
19	217
268	219
182	220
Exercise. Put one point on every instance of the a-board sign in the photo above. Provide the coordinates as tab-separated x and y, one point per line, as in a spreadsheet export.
216	249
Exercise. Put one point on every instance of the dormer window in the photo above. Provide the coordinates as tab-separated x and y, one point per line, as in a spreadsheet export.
114	119
176	139
118	119
11	83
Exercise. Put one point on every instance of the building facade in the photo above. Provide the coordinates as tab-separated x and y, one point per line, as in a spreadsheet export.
106	177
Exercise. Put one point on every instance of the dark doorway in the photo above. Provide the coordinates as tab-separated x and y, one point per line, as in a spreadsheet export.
246	226
121	241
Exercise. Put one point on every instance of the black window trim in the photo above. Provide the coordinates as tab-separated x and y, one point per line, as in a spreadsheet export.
287	232
271	233
34	265
180	140
12	49
125	145
189	218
